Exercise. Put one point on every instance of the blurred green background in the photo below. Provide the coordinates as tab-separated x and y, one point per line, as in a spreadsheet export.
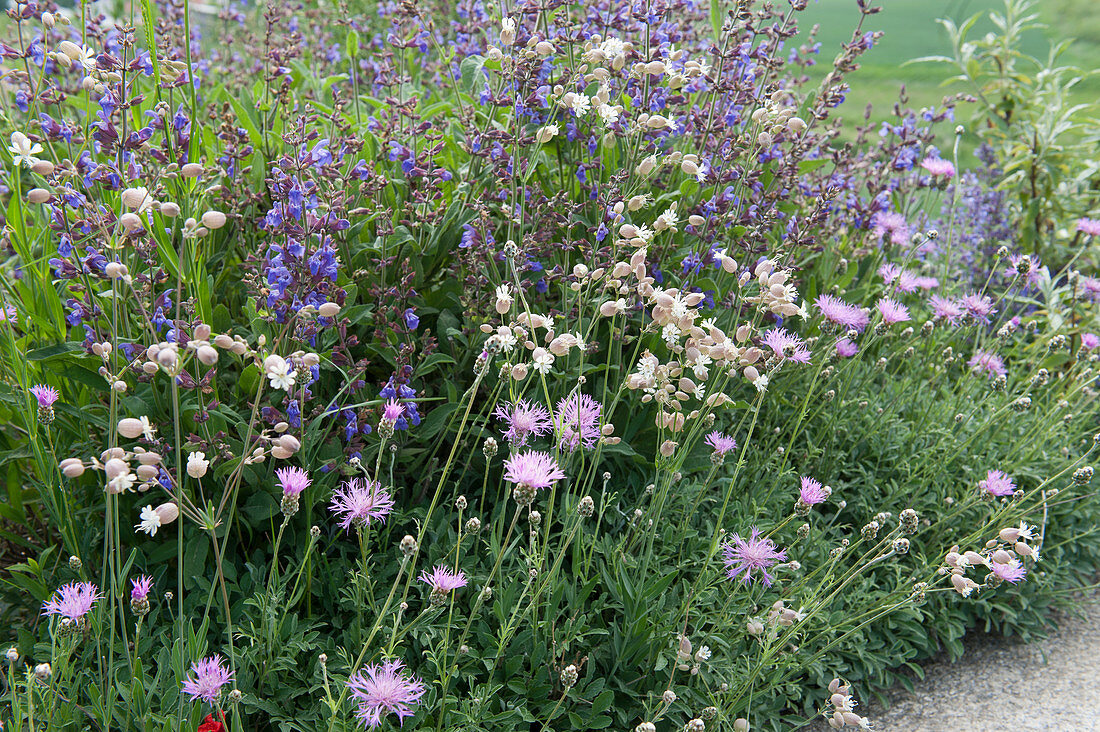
911	31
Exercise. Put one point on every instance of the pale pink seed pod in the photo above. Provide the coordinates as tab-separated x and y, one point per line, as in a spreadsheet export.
974	558
149	458
609	309
170	209
328	310
289	443
751	373
207	355
668	447
71	50
130	427
130	221
191	170
223	341
168	512
1023	549
952	559
213	219
1009	535
838	700
44	167
134	197
202	332
72	467
147	472
278	453
166	357
852	718
115	467
519	371
1002	557
834	685
38	195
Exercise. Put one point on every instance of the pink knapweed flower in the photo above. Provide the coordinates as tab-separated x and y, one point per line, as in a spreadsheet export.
72	601
360	503
892	223
442	579
532	469
926	283
1011	571
140	588
293	480
744	557
577	422
523	420
392	411
1089	226
811	493
837	311
47	396
992	364
786	346
720	442
845	348
891	311
945	308
206	679
979	306
1089	341
384	689
938	167
997	484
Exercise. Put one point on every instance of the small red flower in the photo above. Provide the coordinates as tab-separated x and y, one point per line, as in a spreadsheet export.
211	725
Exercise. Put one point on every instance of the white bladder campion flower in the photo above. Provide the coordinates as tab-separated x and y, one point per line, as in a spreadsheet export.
279	373
197	464
22	150
149	521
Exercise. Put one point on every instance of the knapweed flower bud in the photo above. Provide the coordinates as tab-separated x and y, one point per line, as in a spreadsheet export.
646	727
75	564
586	507
473	525
901	546
489	447
213	220
408	546
695	725
669	696
12	655
43	671
1082	476
908	521
569	676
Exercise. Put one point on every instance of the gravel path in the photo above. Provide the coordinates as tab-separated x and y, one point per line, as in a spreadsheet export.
1003	685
